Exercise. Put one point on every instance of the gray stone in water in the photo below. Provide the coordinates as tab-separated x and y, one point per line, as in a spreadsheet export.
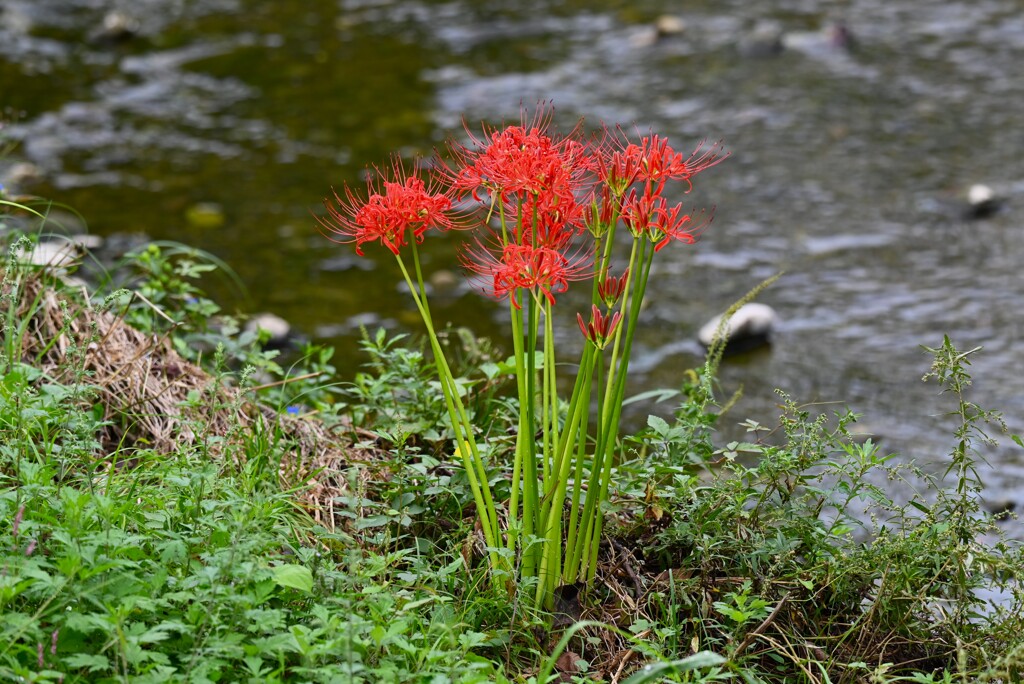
279	330
751	326
765	40
52	254
21	177
982	201
833	37
117	27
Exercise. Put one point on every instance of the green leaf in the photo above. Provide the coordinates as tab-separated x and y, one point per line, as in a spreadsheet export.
294	577
93	663
655	672
372	521
658	425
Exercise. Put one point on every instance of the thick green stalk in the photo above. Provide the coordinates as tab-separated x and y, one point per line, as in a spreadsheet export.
606	444
531	480
591	505
572	435
464	438
550	390
580	461
522	445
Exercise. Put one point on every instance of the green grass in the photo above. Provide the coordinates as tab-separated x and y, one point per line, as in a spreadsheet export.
772	560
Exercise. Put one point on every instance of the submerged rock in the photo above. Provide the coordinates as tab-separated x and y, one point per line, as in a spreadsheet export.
835	37
750	327
764	40
768	39
205	215
665	26
117	27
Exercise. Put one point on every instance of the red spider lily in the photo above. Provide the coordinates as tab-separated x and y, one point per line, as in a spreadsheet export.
685	228
601	326
549	219
617	162
525	267
640	212
648	215
519	161
658	162
622	163
393	206
610	288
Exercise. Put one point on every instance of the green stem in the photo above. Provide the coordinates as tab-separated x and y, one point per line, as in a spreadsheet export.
464	438
575	426
522	448
610	429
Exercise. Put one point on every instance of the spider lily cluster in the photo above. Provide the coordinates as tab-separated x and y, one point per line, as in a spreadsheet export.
548	208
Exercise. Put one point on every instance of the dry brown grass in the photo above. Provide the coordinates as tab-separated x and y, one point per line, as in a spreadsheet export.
145	388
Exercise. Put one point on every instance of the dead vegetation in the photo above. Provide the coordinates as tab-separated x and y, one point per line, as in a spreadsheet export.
148	391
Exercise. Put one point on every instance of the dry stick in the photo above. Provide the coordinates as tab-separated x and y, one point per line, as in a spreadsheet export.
281	382
626	658
174	323
761	627
624	563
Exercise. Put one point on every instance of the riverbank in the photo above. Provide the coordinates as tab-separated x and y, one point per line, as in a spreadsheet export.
181	506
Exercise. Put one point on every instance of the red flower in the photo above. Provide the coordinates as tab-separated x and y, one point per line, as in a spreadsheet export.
640	212
622	163
519	161
610	288
618	162
393	207
602	209
658	162
648	215
601	326
541	269
549	219
675	225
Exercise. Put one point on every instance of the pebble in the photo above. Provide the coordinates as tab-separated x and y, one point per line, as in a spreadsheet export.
669	25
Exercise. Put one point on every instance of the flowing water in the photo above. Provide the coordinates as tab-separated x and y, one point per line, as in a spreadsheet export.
849	164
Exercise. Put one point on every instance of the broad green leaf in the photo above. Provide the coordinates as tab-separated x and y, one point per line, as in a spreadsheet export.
294	577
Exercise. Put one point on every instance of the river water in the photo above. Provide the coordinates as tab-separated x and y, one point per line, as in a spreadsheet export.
850	161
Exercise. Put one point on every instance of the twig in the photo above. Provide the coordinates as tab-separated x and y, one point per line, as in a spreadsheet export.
626	658
282	382
624	563
747	640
